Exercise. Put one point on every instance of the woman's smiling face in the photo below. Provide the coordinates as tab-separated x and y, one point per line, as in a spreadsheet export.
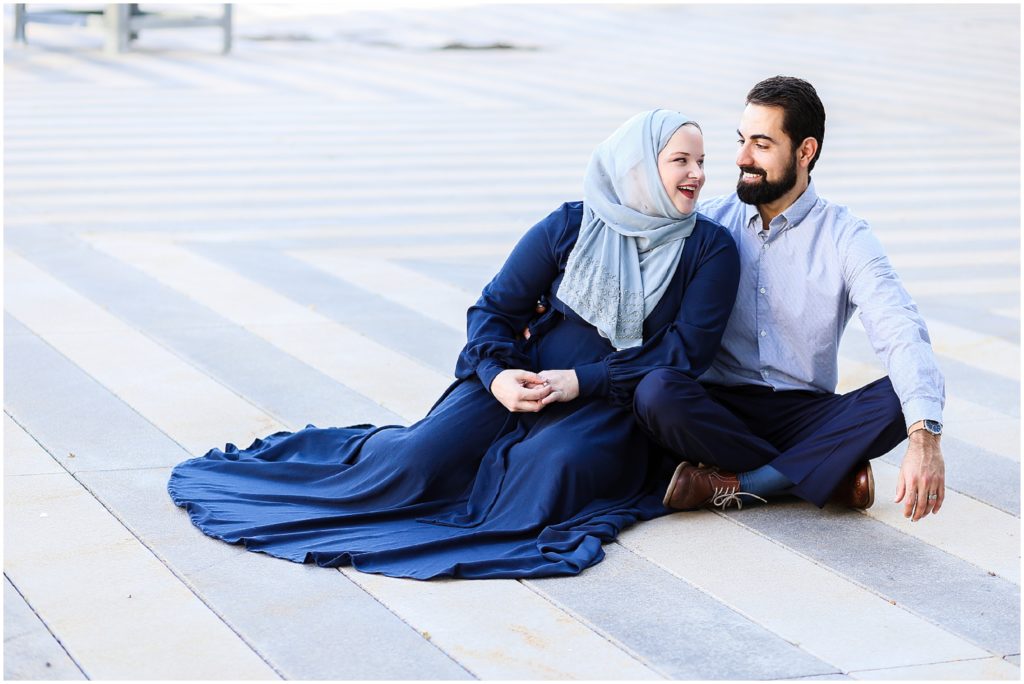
681	167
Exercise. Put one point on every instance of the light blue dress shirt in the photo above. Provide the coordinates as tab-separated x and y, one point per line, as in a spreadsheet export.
799	285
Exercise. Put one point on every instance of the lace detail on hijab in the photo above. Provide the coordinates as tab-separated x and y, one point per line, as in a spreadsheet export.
599	289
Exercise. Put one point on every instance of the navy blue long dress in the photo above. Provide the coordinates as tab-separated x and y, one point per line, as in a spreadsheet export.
473	490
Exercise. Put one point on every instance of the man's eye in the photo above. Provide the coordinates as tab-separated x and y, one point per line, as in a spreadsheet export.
761	146
701	163
740	141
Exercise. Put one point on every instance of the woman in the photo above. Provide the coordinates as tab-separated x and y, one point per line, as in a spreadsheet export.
532	458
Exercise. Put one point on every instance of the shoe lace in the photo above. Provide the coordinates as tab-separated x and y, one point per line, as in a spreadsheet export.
722	497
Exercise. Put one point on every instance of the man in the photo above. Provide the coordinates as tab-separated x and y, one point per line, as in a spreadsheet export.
765	419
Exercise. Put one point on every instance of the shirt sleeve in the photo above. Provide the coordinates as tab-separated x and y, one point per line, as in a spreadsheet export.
689	343
894	325
508	302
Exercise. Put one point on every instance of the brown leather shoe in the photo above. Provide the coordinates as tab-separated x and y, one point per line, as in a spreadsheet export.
692	487
856	490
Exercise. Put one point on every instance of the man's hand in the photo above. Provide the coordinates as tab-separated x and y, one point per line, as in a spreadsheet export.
922	473
563	384
520	391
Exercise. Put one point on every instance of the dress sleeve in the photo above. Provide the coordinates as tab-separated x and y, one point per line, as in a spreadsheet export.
508	302
689	343
894	325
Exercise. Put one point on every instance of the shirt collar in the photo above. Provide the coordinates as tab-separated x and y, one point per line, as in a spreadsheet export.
794	213
798	211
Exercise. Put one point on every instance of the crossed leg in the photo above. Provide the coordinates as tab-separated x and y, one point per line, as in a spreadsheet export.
813	439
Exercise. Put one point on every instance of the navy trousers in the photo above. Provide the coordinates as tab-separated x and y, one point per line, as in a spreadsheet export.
812	438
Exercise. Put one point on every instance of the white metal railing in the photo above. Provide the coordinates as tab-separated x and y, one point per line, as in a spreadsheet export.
121	22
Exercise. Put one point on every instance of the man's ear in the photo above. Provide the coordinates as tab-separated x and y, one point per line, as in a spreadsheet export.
808	148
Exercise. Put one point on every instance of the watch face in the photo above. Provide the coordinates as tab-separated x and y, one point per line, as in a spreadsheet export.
933	426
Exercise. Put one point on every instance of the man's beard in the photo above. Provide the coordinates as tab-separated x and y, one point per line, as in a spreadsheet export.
765	191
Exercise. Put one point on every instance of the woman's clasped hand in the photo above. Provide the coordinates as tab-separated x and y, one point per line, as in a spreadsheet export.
522	391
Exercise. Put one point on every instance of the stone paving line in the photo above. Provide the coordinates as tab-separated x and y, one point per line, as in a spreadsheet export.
154	243
30	651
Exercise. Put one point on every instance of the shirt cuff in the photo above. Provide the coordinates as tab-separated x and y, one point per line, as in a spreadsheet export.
922	409
592	379
487	371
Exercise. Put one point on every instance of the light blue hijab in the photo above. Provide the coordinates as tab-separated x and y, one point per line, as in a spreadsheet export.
632	236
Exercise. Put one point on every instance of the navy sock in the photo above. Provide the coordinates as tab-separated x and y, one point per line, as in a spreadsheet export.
764	481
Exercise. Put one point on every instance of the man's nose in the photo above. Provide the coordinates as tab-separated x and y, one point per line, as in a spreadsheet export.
743	157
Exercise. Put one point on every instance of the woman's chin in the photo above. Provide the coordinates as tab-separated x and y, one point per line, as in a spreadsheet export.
686	205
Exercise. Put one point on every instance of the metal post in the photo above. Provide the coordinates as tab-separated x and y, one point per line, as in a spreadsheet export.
19	23
227	29
115	18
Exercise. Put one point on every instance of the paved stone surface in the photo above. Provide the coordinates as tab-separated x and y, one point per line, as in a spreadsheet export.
30	651
791	595
23	455
978	473
140	496
109	603
975	532
284	610
674	627
984	668
317	626
960	596
340	301
274	381
44	391
409	389
145	374
498	629
177	221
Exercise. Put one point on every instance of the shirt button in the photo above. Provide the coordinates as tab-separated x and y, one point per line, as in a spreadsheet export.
763	333
765	372
764	246
762	290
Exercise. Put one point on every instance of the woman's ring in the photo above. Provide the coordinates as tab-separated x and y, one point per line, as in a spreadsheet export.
932	497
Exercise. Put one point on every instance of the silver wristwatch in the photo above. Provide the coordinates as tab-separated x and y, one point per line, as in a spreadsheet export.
932	426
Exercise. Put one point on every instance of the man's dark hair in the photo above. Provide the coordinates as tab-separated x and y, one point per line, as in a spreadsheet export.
803	114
